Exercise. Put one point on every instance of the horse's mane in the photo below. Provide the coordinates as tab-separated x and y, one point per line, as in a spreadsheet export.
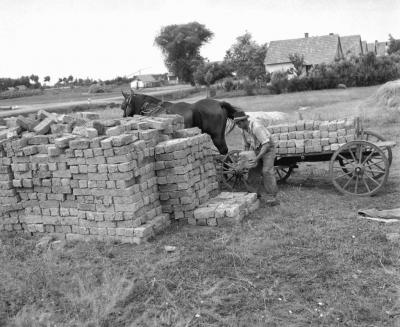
230	110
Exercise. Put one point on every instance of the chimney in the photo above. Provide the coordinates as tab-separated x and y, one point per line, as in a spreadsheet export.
305	35
330	33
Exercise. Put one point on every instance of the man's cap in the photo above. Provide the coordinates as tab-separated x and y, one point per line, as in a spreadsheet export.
240	115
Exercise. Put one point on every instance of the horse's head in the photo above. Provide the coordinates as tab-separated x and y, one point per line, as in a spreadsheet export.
132	104
138	104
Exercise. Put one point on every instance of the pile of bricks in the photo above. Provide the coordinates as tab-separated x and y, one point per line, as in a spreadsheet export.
82	177
186	174
226	209
312	136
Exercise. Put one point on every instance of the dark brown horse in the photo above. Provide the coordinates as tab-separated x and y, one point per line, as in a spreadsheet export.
209	115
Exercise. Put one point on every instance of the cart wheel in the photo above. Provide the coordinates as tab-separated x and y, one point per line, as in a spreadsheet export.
234	176
359	168
375	137
282	173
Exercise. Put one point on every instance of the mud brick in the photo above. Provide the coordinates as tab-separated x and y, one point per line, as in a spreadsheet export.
116	130
299	135
106	143
291	150
6	185
335	146
317	148
299	149
148	134
283	136
332	126
308	149
119	159
60	128
43	114
292	135
332	140
95	161
309	125
308	134
324	126
97	177
127	166
79	144
324	134
308	142
333	134
316	124
63	142
300	124
44	126
290	143
92	168
88	132
316	134
53	151
349	138
341	139
282	150
282	144
299	143
341	132
26	123
340	124
62	174
97	152
20	167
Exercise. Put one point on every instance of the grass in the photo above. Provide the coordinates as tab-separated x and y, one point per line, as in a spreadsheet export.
308	262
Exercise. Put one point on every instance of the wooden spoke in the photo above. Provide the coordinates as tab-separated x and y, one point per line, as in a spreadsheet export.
366	185
345	159
345	174
348	182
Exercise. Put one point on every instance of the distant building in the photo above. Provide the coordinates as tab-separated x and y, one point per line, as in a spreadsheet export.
381	48
21	87
351	46
315	50
149	80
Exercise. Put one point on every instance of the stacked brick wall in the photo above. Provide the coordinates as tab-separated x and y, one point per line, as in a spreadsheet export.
102	179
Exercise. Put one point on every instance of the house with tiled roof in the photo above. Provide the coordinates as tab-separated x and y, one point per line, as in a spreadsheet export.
381	48
315	50
351	45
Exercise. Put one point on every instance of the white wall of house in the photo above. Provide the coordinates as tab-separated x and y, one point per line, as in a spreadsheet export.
276	67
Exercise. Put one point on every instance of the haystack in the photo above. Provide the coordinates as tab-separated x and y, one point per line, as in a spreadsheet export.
96	88
386	98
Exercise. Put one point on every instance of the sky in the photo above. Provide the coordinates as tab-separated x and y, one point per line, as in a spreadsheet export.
103	39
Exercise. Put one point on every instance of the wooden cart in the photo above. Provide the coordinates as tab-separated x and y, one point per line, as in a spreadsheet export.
359	167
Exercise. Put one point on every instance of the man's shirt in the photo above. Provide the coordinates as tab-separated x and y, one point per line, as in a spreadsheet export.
257	135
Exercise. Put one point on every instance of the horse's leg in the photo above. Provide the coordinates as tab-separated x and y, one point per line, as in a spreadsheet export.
220	144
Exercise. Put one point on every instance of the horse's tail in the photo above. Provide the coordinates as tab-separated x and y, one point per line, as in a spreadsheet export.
230	110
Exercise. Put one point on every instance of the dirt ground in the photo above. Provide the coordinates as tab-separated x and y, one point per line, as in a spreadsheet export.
308	262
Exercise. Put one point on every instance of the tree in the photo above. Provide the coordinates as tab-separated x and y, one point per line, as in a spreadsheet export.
394	45
70	78
247	58
34	78
298	62
180	45
209	73
47	78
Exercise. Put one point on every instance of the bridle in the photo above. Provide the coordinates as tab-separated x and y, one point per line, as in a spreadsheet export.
147	109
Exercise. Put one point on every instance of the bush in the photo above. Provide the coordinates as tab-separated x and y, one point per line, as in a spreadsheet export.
279	82
96	88
228	85
249	87
20	93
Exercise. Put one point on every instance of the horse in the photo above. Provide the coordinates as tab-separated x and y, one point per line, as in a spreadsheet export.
209	115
